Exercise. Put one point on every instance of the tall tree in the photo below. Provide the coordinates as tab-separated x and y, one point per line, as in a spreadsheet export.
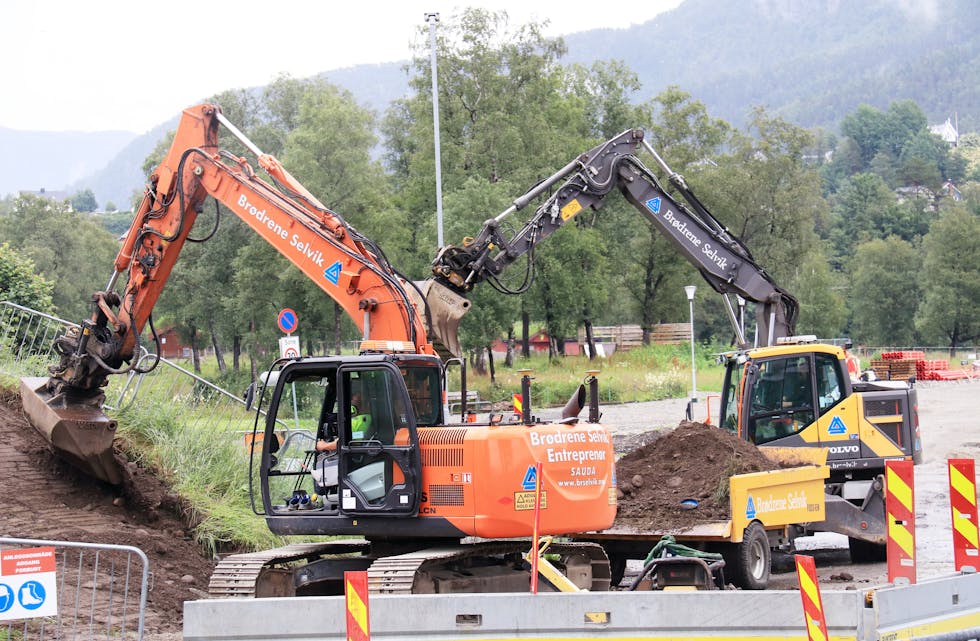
20	283
683	134
950	280
329	150
864	208
768	195
867	128
884	287
569	281
511	115
84	201
823	309
68	249
325	140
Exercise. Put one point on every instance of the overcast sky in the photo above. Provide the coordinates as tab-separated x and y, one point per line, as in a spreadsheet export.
132	64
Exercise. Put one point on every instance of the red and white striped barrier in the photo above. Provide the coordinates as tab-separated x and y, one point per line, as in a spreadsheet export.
900	516
963	509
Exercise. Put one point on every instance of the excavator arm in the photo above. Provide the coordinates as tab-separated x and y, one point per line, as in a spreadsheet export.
586	182
350	268
346	265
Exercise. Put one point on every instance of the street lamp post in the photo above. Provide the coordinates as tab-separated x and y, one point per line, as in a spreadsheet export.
689	290
433	20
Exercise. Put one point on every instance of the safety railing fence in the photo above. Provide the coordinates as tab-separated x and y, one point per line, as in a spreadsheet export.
91	591
26	349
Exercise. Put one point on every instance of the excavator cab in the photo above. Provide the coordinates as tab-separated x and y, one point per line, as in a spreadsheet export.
799	395
362	402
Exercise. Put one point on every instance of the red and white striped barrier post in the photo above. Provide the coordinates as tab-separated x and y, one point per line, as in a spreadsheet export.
535	537
358	615
900	513
816	622
963	509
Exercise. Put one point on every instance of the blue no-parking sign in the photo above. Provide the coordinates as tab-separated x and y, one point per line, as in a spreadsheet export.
287	321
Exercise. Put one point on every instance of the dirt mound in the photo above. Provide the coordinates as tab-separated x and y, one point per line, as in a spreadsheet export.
46	498
692	461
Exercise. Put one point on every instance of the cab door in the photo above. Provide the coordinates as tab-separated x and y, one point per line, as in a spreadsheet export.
839	423
380	468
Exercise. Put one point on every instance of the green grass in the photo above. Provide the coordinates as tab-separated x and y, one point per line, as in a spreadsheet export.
206	463
648	373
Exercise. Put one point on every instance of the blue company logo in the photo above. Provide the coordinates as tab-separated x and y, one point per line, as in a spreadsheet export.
31	595
332	273
750	509
837	426
654	205
6	597
530	479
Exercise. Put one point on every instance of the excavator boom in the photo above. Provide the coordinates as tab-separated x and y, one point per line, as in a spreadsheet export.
586	182
346	265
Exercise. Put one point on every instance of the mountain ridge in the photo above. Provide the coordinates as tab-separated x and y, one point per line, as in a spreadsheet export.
811	62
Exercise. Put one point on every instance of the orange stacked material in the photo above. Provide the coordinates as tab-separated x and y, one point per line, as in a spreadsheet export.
930	370
953	375
908	355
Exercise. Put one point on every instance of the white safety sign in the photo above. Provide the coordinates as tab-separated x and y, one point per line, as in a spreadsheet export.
289	347
28	584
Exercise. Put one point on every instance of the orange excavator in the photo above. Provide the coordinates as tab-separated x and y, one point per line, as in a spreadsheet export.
438	505
402	478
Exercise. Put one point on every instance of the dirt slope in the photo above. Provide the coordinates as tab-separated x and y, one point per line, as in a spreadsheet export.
47	499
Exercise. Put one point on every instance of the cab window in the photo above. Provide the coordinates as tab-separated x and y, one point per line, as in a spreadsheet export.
781	403
733	388
372	416
829	381
424	388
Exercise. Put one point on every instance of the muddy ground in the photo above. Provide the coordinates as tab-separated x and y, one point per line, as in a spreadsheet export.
681	478
46	499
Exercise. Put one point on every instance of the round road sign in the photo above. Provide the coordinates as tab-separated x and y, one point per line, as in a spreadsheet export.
287	321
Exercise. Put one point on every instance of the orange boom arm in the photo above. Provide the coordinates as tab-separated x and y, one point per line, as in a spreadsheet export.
332	253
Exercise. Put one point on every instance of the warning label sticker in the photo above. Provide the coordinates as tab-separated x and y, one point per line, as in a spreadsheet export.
31	561
525	501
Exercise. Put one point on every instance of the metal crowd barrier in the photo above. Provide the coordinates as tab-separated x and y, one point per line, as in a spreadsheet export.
100	590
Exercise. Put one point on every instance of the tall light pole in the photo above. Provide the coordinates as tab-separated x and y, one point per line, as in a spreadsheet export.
433	20
689	290
741	313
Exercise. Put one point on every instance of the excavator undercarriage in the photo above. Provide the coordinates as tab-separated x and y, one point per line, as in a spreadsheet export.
307	569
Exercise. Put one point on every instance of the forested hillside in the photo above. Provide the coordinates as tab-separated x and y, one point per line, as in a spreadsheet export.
811	62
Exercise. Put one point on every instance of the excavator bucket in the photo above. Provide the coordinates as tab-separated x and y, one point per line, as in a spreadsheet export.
444	309
76	427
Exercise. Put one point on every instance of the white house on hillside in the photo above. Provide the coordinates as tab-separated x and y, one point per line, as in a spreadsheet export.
948	132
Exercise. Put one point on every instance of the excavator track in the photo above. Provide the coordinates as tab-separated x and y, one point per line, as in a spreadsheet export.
260	574
427	570
439	569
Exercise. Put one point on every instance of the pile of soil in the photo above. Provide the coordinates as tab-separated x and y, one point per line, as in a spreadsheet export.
45	498
691	461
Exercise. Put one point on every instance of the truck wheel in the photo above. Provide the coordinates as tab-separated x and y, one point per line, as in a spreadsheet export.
866	552
747	563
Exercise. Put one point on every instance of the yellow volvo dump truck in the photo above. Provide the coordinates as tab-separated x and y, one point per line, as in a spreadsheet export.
766	510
